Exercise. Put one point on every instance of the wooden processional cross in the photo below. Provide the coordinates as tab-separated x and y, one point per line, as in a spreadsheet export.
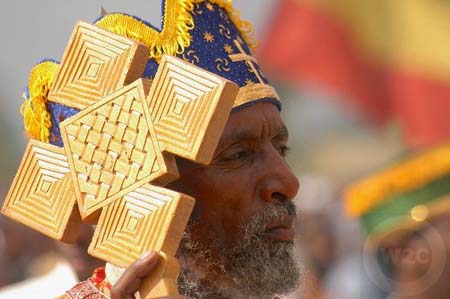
119	151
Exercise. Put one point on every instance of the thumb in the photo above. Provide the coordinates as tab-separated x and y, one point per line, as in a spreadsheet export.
131	280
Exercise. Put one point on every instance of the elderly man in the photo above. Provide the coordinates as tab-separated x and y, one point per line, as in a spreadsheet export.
239	240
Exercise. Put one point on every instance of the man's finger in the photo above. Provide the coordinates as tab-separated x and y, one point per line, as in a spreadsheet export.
131	280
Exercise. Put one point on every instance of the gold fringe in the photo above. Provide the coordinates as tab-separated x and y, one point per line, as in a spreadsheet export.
174	36
255	91
36	118
366	194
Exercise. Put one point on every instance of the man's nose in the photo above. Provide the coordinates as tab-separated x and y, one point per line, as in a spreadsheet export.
279	182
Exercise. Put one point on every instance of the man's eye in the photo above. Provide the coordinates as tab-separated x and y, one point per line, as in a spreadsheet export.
235	156
240	155
283	150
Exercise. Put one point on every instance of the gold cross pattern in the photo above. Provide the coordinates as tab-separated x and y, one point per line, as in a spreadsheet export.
112	149
42	194
249	60
96	63
119	151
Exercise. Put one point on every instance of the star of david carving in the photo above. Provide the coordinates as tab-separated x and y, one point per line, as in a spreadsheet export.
119	151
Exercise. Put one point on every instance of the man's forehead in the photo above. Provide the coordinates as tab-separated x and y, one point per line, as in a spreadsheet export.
252	124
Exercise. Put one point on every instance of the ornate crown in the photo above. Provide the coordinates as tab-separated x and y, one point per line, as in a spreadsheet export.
209	34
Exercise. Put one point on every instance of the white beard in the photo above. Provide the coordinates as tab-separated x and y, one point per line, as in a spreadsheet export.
254	268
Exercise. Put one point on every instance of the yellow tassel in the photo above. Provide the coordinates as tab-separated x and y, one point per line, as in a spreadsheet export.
175	36
36	118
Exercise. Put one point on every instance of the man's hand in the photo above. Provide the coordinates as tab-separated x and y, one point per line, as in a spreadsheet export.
130	282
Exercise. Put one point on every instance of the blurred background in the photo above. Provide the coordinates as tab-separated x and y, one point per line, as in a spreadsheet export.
362	83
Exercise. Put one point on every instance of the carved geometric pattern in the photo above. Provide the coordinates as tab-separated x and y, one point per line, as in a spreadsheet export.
112	148
42	195
124	138
150	217
189	108
96	63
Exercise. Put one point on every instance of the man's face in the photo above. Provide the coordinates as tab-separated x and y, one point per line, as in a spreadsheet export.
242	220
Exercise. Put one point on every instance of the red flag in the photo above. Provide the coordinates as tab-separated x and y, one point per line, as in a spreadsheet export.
327	47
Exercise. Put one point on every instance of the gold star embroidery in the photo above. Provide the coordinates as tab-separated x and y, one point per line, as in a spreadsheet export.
249	82
228	49
210	7
208	37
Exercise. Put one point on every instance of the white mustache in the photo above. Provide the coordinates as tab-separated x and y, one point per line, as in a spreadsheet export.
257	224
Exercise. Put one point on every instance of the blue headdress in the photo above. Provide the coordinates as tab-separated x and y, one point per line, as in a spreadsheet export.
207	33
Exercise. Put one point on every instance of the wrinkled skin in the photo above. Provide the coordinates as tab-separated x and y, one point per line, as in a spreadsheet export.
248	175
